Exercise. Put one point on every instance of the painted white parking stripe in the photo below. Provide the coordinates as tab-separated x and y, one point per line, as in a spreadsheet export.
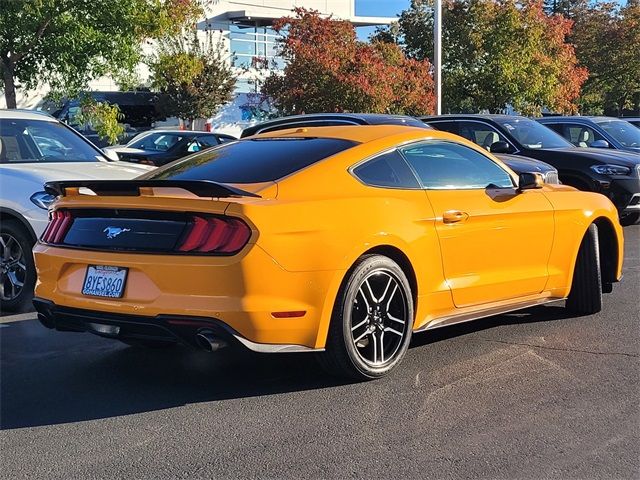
21	317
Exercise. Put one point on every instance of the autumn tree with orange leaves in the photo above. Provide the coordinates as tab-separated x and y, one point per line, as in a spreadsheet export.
496	53
328	70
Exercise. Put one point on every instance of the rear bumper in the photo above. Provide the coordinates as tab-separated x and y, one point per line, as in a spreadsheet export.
175	328
244	292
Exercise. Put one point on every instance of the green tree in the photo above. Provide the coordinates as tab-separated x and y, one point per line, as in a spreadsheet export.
68	43
103	118
498	53
607	40
194	76
328	70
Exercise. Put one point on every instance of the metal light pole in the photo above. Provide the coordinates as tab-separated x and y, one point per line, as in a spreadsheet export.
437	53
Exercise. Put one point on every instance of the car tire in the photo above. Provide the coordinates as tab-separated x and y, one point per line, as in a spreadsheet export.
17	269
585	297
152	344
630	219
374	304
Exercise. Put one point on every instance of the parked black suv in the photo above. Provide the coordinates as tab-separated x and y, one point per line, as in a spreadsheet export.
597	132
518	164
613	173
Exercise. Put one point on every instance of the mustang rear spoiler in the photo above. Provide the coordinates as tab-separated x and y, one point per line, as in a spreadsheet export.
201	188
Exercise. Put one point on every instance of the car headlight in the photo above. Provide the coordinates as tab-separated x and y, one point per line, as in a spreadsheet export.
42	200
611	169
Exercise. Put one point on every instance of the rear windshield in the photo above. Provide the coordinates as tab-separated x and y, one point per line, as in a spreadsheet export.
252	160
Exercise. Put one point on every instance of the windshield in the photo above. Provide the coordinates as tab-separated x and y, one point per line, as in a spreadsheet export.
252	161
42	141
156	142
531	134
622	131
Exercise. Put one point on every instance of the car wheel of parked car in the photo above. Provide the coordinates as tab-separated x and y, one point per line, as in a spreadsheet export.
155	344
17	270
585	296
630	219
372	320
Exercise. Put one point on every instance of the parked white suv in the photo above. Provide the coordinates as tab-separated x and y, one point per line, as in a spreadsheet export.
35	148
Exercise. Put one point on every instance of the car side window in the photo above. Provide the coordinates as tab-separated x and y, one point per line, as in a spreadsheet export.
387	170
193	146
451	166
208	141
445	126
580	135
480	134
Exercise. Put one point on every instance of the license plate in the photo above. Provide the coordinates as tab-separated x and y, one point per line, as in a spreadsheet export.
104	281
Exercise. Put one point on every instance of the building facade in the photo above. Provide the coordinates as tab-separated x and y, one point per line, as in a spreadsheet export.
245	27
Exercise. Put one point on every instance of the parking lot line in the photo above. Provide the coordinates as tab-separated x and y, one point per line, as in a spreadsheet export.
20	317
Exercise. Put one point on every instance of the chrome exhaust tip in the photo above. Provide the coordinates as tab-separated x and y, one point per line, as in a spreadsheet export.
209	342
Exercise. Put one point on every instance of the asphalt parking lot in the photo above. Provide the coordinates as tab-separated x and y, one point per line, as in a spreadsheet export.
535	394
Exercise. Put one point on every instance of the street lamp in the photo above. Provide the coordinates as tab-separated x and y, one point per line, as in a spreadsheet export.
437	53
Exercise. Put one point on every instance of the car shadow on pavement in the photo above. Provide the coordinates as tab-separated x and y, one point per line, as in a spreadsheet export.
50	378
545	313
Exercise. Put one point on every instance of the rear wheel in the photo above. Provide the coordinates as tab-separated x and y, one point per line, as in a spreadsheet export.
17	269
585	297
371	325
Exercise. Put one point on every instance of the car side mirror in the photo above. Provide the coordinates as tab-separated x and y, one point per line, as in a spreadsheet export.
530	181
499	147
600	144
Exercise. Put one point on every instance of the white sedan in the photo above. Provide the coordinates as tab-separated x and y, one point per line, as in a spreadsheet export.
34	149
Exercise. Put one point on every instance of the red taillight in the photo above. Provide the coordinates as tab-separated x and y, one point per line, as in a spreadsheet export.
215	235
58	226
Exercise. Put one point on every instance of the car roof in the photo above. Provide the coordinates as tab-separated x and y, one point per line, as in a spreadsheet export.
355	133
455	116
576	118
358	118
23	114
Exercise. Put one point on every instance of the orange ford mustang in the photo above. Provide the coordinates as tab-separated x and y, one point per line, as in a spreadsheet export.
337	240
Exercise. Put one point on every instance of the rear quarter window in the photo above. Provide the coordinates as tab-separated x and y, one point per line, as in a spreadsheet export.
252	160
387	170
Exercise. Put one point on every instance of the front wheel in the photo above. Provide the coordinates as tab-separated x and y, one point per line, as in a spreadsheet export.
372	320
585	297
17	270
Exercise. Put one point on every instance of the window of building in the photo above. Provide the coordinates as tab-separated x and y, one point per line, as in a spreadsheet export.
249	42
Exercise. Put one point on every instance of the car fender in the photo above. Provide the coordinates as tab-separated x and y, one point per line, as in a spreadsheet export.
574	211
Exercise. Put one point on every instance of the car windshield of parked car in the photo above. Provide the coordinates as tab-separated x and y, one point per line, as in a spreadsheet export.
252	160
531	134
622	131
156	142
28	141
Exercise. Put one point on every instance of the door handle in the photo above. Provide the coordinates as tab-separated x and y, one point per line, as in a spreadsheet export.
454	216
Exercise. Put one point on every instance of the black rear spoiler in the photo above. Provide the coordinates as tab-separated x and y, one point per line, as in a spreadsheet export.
201	188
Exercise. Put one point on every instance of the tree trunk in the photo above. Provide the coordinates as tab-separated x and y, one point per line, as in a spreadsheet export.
9	83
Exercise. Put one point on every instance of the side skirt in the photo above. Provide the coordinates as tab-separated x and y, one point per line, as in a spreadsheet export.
483	313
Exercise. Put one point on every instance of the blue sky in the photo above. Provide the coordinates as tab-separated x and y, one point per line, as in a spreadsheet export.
377	8
380	8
